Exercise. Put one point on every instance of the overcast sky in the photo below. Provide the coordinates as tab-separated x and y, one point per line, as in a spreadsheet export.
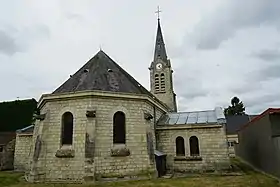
218	50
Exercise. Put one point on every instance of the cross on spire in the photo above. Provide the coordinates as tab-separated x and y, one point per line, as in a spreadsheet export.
160	51
158	12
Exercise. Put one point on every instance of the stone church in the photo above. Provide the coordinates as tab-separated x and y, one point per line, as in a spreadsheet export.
102	123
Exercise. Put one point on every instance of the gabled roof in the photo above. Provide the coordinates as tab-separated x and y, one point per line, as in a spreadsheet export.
102	73
266	112
160	51
198	117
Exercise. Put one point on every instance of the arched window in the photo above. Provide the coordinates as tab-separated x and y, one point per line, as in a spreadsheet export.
180	146
194	146
156	82
67	129
119	128
162	82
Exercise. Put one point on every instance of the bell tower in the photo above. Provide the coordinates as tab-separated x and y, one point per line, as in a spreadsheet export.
161	72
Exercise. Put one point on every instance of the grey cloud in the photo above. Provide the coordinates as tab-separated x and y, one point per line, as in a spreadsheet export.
192	93
270	72
258	103
246	87
19	40
8	45
236	15
267	69
14	40
194	87
34	33
254	80
43	30
267	55
265	73
74	16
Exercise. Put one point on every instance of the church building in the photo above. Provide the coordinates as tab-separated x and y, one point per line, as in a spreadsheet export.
102	123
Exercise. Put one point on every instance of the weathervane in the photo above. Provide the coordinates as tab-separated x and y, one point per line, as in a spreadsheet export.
158	12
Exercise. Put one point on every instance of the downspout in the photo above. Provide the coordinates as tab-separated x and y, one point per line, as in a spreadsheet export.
155	123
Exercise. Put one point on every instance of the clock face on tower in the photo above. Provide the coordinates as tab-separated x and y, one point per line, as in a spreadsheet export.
159	66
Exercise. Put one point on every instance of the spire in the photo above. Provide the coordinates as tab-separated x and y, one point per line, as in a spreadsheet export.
160	51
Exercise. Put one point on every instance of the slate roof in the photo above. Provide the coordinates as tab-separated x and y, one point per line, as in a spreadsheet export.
160	51
102	73
235	122
198	117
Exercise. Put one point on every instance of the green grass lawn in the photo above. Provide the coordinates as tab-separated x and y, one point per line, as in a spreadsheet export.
249	178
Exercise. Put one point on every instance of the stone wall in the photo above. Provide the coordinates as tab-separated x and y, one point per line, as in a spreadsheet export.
232	141
212	146
7	156
22	152
96	132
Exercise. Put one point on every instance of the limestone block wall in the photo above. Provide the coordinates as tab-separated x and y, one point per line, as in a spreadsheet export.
46	166
7	156
157	113
22	152
232	140
99	131
212	147
136	138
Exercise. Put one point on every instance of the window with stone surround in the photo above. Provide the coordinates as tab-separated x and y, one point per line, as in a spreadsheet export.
119	128
1	148
67	129
194	146
180	146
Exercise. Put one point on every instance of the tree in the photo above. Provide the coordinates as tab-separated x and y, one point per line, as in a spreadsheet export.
236	108
16	114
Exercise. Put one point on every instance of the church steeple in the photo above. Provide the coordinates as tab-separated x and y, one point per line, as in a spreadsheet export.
161	72
160	51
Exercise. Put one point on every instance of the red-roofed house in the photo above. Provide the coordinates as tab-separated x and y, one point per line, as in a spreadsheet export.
259	142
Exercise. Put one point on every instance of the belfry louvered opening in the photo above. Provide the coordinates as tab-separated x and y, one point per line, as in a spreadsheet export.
157	82
162	82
